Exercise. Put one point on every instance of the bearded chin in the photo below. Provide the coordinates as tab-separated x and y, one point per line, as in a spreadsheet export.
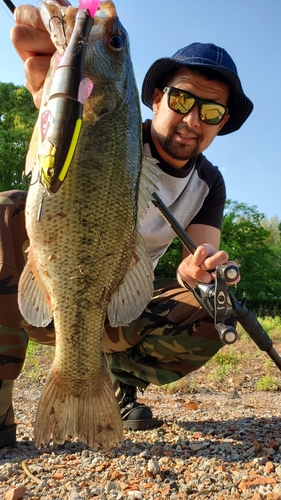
178	151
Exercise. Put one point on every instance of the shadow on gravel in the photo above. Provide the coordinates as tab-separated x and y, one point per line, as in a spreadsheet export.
232	440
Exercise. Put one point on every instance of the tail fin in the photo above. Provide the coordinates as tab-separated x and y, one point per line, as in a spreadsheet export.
92	414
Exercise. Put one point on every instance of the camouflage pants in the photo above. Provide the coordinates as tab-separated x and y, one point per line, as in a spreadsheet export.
14	331
173	337
13	336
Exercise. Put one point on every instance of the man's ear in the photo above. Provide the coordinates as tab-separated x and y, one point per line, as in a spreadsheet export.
223	122
157	96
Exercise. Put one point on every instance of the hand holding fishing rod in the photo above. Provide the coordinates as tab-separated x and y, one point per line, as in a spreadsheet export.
38	48
212	296
60	119
218	300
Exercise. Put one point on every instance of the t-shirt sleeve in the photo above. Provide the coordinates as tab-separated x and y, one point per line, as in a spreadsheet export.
211	212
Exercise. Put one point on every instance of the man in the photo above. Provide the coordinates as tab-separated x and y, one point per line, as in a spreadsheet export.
195	95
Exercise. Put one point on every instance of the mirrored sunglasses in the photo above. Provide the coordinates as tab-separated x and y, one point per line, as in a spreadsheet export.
182	102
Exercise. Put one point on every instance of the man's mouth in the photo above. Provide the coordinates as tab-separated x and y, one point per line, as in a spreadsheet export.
187	136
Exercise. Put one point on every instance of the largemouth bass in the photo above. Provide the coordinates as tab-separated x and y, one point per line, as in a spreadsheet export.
86	257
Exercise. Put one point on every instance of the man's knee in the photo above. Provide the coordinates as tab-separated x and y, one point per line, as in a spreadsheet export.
171	304
13	344
12	259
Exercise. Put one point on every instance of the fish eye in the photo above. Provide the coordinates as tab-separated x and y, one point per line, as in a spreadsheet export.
116	42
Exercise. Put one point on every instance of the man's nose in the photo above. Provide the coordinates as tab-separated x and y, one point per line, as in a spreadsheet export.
192	118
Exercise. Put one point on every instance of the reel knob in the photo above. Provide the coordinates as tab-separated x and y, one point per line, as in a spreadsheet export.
228	334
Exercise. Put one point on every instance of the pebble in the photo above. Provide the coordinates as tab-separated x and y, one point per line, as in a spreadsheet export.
153	467
210	446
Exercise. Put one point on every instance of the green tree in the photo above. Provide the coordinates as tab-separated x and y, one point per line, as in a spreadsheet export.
169	262
254	243
273	225
17	119
245	238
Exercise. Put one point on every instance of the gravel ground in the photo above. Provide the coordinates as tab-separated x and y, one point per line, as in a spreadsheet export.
212	444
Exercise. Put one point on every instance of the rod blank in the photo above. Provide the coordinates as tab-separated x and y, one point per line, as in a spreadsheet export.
10	5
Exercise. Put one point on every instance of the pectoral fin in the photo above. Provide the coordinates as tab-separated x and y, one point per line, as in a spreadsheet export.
33	298
149	181
136	289
134	293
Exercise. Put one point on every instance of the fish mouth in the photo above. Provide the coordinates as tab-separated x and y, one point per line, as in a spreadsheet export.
106	9
105	12
107	27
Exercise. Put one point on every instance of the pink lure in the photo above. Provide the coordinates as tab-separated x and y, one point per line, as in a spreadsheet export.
90	5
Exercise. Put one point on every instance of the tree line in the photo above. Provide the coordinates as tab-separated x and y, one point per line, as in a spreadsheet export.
248	236
17	118
254	243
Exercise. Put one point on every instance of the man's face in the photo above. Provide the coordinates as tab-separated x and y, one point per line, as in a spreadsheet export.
180	137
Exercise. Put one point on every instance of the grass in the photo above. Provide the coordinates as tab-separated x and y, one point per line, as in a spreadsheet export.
186	384
268	383
234	366
271	325
239	366
38	360
244	358
227	357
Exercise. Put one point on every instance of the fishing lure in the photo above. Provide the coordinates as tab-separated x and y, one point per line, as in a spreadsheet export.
60	123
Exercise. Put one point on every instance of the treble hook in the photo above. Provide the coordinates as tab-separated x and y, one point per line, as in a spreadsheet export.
62	27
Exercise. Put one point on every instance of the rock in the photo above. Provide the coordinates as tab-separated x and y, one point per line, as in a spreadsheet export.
16	493
269	467
153	467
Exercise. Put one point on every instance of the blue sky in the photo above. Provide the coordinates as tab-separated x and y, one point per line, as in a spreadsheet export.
250	159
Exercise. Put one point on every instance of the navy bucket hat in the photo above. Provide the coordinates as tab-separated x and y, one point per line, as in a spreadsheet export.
204	55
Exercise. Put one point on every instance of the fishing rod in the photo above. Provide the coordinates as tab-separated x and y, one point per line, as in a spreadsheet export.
218	300
10	5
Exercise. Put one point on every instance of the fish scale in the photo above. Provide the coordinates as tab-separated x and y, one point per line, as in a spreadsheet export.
86	257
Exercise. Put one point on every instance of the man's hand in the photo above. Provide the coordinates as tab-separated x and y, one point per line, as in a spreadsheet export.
199	266
33	44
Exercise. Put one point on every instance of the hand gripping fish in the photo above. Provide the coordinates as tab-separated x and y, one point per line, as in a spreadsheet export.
86	257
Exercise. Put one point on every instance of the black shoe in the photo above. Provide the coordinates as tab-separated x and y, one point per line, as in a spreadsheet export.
8	429
135	416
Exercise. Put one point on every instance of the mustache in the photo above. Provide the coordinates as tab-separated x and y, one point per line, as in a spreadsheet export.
185	129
